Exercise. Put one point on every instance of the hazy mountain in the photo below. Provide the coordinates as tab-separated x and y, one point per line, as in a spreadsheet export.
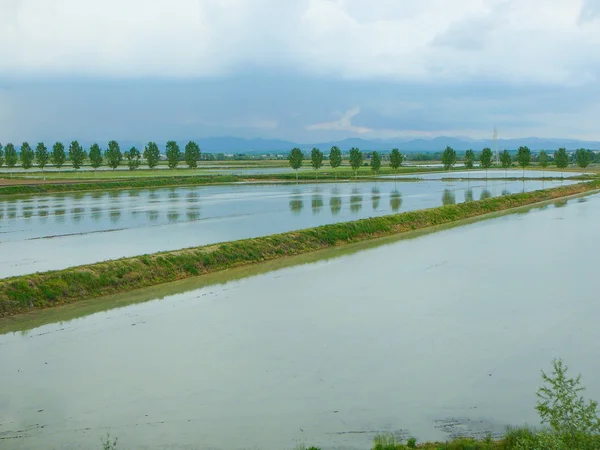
227	144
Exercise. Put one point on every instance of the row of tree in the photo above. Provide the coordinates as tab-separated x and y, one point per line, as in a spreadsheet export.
561	158
113	156
296	158
449	158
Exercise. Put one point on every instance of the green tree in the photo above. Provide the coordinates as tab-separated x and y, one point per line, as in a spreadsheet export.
316	160
133	157
524	157
95	156
505	161
152	154
1	156
375	162
396	159
543	161
561	158
469	159
560	405
295	159
27	156
10	156
485	159
173	154
356	160
41	155
335	158
113	155
448	158
582	157
58	156
192	154
76	154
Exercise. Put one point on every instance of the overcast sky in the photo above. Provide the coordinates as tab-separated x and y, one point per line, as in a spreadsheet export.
303	70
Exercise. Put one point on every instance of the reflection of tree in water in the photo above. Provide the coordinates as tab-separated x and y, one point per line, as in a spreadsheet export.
193	197
335	204
485	194
11	211
375	197
153	195
395	200
193	213
296	203
317	203
505	192
469	195
96	213
560	203
173	194
152	215
355	200
448	197
173	215
97	194
43	210
114	194
115	215
134	193
77	214
27	211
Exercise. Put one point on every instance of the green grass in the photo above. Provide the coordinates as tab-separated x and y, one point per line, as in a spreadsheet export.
43	290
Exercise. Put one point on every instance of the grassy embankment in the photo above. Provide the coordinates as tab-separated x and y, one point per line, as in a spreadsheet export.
42	290
172	181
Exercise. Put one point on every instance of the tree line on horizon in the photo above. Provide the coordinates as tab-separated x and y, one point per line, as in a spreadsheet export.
112	156
448	158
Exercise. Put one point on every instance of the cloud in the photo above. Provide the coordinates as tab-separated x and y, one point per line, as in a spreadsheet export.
590	11
343	124
511	40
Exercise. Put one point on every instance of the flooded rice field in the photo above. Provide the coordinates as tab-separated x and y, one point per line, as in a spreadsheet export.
417	337
491	174
47	232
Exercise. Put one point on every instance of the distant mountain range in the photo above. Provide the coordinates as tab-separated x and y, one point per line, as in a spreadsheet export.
228	144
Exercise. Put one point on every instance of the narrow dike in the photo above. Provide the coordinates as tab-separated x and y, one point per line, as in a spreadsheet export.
43	290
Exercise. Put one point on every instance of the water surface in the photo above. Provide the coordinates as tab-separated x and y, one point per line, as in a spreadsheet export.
429	337
47	232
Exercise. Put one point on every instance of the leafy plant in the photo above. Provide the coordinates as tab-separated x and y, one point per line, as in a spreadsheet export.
316	160
58	156
561	406
448	158
356	159
27	156
335	157
152	154
295	159
95	156
562	159
113	155
173	153
108	443
192	154
41	155
469	159
375	162
396	159
485	159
